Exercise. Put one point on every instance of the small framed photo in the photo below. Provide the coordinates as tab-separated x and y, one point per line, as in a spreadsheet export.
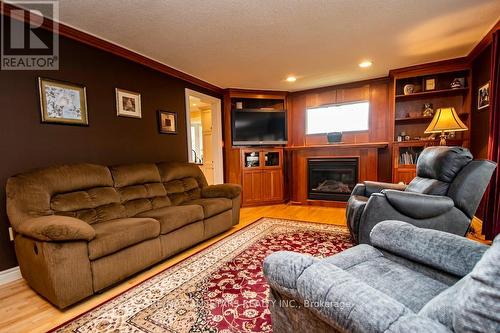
483	96
128	103
429	83
167	122
62	102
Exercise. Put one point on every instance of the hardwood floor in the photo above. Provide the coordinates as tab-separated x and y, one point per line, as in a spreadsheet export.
24	311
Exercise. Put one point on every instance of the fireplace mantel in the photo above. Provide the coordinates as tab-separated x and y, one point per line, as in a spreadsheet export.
379	145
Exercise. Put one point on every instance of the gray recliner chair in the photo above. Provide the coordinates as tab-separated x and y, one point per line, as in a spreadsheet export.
409	280
444	195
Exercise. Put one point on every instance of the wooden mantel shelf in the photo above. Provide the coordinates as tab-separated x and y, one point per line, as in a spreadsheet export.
342	145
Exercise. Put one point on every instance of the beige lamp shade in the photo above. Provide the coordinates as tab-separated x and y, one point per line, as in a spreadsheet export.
446	120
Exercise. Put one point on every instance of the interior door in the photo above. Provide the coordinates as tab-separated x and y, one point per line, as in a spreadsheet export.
205	146
208	152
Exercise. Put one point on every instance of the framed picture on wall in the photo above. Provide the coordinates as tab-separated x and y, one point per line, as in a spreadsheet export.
167	122
483	96
62	102
128	103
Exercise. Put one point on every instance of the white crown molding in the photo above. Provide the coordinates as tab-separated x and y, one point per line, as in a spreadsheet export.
10	275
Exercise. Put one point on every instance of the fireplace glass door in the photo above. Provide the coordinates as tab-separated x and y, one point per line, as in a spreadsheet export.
332	178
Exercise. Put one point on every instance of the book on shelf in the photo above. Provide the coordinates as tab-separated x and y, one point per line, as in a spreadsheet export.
408	158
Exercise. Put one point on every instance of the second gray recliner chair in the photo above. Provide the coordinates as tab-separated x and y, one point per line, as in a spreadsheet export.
444	195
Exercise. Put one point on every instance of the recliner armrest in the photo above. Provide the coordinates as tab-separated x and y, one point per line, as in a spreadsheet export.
359	189
283	268
441	250
418	206
56	228
377	187
351	305
229	191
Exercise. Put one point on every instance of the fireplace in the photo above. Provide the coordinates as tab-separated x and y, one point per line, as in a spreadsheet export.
331	178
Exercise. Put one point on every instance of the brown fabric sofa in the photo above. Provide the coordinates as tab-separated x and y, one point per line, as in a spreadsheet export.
81	228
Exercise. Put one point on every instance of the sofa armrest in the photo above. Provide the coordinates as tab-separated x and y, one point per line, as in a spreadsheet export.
283	268
417	205
56	228
441	250
377	187
229	191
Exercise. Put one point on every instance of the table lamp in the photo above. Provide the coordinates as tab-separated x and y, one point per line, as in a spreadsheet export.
445	120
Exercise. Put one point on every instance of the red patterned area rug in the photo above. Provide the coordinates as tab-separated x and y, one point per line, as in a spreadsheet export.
219	289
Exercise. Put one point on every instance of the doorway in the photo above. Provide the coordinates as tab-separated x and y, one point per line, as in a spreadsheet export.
204	134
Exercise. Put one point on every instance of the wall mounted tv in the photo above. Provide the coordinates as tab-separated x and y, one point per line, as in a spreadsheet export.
259	127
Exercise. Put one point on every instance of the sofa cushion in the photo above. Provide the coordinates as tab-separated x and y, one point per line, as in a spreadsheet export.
182	190
92	205
114	235
139	187
182	181
83	191
368	264
132	174
212	206
478	307
428	186
177	170
441	307
174	217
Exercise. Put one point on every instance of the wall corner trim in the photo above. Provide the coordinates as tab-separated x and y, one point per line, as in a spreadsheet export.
10	275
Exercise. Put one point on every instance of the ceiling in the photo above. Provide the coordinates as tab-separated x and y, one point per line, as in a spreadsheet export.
256	44
197	104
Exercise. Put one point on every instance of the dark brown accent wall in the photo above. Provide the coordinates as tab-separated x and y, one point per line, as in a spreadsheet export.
481	68
26	143
480	119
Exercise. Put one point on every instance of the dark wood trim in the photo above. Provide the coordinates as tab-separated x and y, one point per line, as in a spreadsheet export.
249	93
355	84
342	146
483	43
435	67
85	38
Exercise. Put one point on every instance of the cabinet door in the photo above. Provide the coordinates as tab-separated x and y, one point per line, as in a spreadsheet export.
252	186
405	175
272	185
347	95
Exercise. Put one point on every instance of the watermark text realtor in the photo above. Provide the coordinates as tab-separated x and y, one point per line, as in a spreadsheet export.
29	35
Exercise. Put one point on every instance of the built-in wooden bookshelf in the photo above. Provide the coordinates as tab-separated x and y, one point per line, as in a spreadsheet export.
410	122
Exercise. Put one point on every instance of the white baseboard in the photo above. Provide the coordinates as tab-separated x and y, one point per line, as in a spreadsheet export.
10	275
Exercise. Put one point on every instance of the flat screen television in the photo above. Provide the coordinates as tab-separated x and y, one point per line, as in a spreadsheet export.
259	127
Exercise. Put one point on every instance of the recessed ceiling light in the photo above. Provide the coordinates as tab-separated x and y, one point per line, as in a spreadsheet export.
291	79
365	64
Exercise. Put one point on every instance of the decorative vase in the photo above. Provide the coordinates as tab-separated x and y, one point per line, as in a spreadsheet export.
334	137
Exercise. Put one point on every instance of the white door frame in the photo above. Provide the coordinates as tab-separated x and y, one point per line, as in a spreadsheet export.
216	131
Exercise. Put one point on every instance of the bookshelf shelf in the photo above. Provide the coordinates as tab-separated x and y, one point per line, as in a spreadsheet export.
423	119
434	93
408	111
